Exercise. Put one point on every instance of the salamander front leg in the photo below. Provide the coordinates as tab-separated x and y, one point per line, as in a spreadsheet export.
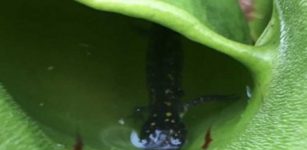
203	99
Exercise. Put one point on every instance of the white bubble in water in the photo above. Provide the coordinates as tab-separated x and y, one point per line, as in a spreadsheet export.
60	146
248	91
121	121
41	104
50	68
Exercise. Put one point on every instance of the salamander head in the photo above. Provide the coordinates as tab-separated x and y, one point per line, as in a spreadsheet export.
163	139
157	134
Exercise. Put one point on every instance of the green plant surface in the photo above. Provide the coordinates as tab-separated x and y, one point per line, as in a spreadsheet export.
279	122
68	67
17	130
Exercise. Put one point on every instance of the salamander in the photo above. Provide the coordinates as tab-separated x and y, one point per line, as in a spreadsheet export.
164	128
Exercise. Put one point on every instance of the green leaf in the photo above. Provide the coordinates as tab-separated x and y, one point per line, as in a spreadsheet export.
280	122
18	131
195	25
72	70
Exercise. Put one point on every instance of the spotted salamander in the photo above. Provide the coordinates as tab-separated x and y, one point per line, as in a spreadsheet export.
164	129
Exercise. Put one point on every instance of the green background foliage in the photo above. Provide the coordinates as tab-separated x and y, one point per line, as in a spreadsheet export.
68	69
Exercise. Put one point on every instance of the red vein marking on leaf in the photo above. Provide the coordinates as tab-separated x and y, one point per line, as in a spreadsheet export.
79	144
208	140
247	8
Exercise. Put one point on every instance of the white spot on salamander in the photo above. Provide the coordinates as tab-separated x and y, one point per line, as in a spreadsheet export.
175	141
167	103
170	77
168	114
168	91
